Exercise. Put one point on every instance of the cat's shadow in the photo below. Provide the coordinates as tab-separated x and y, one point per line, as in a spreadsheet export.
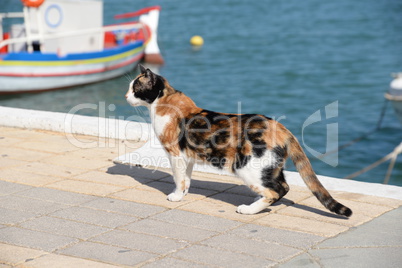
163	182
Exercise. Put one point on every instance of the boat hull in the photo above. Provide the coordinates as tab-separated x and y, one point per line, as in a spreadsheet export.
40	72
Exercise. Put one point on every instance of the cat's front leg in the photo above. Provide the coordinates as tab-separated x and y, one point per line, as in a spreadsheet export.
179	167
189	171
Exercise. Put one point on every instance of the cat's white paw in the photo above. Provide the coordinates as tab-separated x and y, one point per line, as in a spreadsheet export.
244	209
175	197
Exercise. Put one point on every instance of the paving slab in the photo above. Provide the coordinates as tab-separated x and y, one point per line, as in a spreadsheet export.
84	187
207	183
301	225
304	260
200	221
149	195
111	179
173	262
377	243
50	169
9	141
222	205
16	175
371	210
64	227
7	162
221	258
57	196
164	188
53	145
124	207
61	261
25	155
155	198
9	216
169	230
322	215
370	199
37	206
137	172
141	242
279	236
385	231
102	218
72	160
249	246
14	255
7	188
358	257
107	253
34	239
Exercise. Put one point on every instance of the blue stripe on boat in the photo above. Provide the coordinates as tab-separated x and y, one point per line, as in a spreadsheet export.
38	56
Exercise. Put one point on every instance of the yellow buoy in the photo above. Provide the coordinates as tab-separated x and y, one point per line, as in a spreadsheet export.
196	40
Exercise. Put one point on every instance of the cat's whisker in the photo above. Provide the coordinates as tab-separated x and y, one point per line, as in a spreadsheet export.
128	77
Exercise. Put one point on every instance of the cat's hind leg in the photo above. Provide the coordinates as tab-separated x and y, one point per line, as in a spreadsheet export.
271	186
181	180
267	197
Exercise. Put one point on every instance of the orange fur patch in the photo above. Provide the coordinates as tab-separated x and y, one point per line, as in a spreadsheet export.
270	196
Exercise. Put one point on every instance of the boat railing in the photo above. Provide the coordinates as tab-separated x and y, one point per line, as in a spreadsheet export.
40	37
10	15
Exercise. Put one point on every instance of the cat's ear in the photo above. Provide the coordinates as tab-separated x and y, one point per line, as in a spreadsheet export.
142	69
149	74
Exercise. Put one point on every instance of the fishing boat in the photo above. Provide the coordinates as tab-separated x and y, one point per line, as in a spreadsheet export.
63	43
395	95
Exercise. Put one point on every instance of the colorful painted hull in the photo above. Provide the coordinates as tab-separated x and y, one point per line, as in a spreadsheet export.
25	72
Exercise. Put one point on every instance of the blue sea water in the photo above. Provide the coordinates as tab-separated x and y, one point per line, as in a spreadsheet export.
320	67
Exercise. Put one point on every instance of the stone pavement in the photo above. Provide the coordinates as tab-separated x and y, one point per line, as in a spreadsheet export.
64	203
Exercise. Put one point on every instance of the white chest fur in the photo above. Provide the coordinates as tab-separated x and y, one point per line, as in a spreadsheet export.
158	122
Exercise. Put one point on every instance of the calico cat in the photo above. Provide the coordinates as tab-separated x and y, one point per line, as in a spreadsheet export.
251	146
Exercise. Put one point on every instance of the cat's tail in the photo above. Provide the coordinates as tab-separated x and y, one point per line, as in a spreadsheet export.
306	171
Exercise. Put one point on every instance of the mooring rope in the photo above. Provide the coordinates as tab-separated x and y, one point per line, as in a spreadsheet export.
393	155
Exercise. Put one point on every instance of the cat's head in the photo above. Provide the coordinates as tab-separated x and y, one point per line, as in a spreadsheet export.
145	88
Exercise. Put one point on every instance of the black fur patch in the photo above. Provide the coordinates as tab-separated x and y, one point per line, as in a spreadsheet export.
340	209
280	152
208	134
259	147
151	91
333	205
159	83
182	135
221	137
325	201
240	161
254	127
196	135
272	183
